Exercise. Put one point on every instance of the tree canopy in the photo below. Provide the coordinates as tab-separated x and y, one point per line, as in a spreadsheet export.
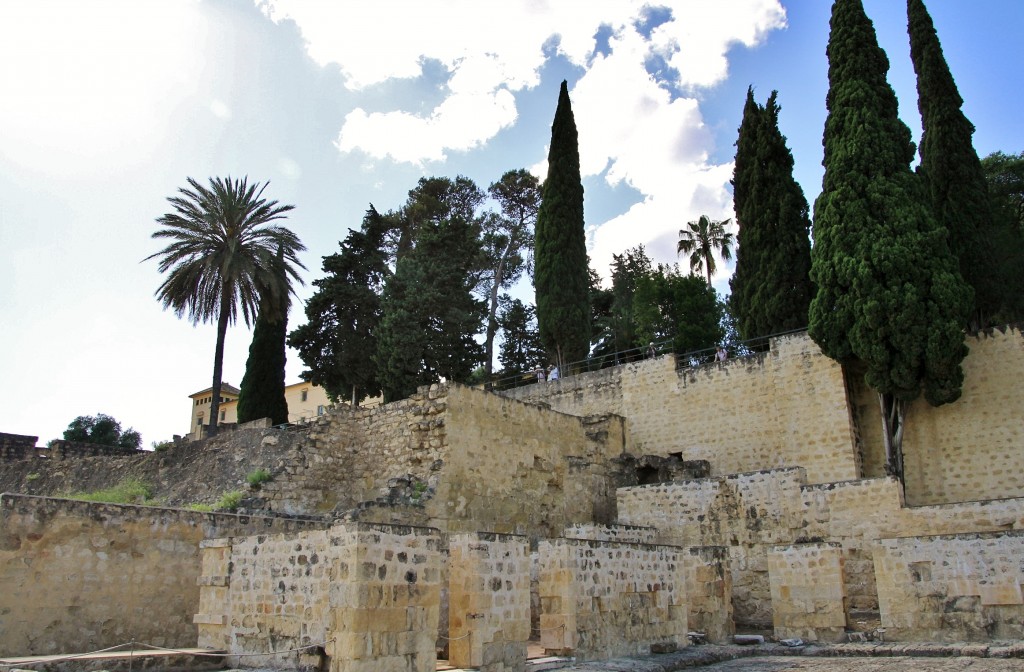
101	429
771	287
701	239
261	394
561	276
889	293
222	255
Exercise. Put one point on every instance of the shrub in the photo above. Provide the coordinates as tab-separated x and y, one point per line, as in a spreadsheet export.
202	508
34	476
229	501
128	491
161	446
257	477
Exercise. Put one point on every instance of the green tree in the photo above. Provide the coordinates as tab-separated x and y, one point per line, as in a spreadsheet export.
561	276
700	240
506	238
520	350
261	394
429	314
338	343
1005	176
101	429
222	250
681	308
618	323
771	287
951	170
889	294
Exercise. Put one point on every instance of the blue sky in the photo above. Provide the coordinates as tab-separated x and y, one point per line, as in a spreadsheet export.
108	106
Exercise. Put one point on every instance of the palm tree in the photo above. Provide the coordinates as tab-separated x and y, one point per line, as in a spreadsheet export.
700	240
222	255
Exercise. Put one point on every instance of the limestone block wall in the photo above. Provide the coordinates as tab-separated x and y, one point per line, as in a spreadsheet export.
787	407
974	448
489	601
709	592
516	468
602	600
952	588
628	533
368	594
78	576
808	591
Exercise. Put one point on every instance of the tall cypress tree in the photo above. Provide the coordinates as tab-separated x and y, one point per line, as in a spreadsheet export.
771	288
561	275
951	169
261	394
889	293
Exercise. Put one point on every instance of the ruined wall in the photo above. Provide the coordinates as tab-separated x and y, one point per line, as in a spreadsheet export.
783	408
603	600
17	446
974	448
489	598
366	595
808	591
709	592
952	588
78	576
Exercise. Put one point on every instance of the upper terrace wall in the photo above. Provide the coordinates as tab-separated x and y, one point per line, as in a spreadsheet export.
786	407
78	576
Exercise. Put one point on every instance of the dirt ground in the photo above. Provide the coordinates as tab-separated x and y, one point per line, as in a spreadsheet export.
777	664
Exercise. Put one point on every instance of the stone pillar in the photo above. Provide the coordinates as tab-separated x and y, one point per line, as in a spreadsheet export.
709	592
489	601
214	594
808	591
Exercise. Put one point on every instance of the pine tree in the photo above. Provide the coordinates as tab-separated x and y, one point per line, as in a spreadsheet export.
771	287
261	394
562	271
951	169
889	294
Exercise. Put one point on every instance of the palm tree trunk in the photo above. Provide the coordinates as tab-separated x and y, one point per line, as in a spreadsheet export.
218	364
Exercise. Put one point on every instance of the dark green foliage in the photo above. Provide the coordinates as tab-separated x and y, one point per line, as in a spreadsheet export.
700	239
506	237
561	275
520	349
338	344
429	315
1005	176
618	324
682	308
888	289
951	170
103	430
261	394
771	288
222	256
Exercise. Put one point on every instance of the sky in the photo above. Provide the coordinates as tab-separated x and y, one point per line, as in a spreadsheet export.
108	106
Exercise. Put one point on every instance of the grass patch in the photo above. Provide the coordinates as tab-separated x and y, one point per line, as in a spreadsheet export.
257	477
128	491
34	476
229	501
202	508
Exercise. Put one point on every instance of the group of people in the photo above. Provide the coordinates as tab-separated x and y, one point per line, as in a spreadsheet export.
550	374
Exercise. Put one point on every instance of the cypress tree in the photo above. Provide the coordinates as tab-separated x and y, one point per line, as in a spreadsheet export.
771	288
261	394
889	294
561	275
951	169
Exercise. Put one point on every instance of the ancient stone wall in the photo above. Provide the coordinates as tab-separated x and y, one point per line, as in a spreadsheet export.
602	600
633	534
709	592
973	448
365	596
17	446
808	591
489	601
787	407
952	588
78	576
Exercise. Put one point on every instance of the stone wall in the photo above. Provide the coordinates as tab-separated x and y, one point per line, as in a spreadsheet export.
709	592
974	448
77	576
952	588
17	446
633	534
603	600
489	601
808	591
786	407
364	596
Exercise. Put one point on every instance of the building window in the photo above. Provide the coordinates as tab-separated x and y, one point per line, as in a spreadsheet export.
222	415
320	410
199	420
305	395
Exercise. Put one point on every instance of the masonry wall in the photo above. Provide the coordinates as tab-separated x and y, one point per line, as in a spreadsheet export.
808	591
952	588
974	448
603	600
787	407
365	596
17	446
77	576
